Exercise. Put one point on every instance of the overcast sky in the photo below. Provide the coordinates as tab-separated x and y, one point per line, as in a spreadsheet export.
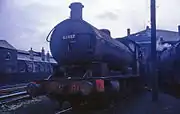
26	23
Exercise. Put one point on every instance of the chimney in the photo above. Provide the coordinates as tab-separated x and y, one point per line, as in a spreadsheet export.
179	29
31	54
76	11
148	31
128	31
48	56
42	54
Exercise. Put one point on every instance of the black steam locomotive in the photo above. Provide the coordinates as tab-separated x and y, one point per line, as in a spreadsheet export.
169	64
92	66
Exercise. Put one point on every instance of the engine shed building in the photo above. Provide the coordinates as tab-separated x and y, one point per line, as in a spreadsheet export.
143	38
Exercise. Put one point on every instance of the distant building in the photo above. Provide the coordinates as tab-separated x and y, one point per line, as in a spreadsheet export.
19	66
35	61
8	57
13	60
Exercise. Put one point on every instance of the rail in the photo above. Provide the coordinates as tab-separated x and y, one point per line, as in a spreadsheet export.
11	94
64	110
11	89
13	86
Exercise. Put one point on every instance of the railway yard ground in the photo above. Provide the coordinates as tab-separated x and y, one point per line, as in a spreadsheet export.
138	104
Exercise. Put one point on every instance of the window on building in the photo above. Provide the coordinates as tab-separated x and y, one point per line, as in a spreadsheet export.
37	67
21	66
50	68
41	67
29	66
45	67
8	56
132	46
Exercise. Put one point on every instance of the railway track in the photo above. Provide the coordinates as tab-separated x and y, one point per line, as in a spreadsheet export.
10	94
109	110
83	109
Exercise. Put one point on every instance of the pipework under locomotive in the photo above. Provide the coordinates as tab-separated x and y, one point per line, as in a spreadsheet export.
91	64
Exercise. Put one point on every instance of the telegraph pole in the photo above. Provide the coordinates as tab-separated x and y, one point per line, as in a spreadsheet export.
153	52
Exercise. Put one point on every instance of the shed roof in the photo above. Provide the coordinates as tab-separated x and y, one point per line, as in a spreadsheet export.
36	58
5	44
145	35
25	55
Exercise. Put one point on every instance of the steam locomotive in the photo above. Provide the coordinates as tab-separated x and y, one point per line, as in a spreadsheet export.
169	63
92	66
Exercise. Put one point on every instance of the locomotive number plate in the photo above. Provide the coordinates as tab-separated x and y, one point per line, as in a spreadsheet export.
69	37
